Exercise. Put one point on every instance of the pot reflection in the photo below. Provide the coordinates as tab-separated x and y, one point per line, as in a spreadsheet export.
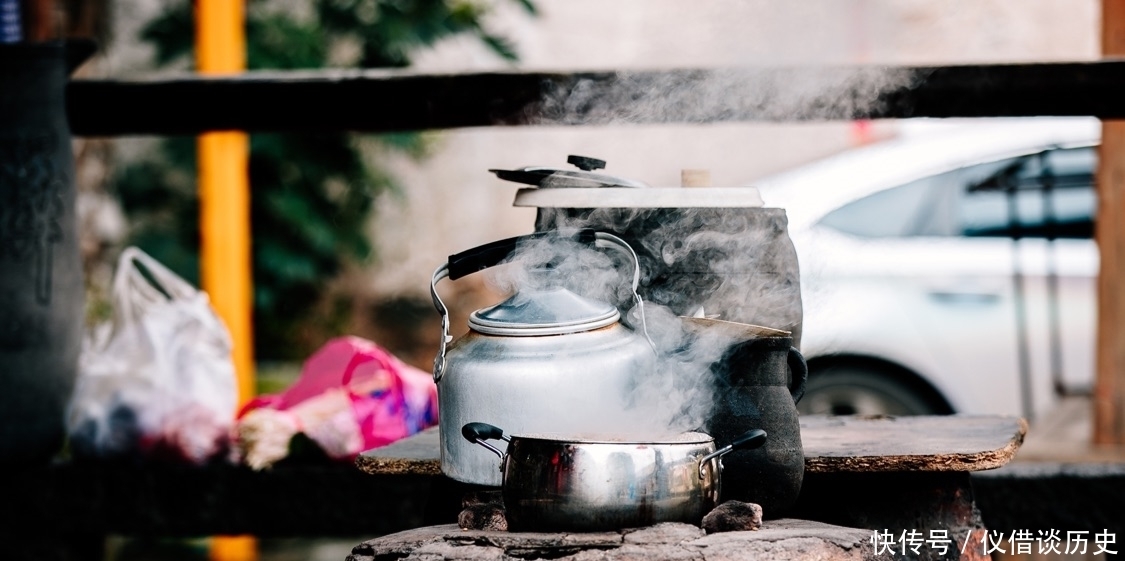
560	485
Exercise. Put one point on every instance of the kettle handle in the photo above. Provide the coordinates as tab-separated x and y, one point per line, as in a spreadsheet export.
490	254
798	372
479	258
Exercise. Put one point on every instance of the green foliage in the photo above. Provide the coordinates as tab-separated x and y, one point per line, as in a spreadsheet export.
311	195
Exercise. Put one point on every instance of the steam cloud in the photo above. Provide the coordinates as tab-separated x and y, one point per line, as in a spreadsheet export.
736	268
739	266
699	96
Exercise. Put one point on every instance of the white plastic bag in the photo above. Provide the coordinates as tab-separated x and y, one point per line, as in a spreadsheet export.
158	379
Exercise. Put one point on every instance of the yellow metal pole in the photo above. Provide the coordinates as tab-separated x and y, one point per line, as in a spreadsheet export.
224	192
224	215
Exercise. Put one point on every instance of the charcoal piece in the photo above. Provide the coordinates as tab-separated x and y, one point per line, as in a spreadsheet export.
483	516
733	516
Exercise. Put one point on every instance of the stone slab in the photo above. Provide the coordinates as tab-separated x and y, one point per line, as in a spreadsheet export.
832	445
1041	497
777	539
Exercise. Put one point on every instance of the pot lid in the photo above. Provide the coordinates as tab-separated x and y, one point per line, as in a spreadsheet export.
552	177
553	311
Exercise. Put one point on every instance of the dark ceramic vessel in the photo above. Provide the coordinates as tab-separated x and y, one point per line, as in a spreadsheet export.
41	288
758	386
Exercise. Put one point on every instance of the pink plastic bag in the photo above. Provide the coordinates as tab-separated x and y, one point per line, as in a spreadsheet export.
352	396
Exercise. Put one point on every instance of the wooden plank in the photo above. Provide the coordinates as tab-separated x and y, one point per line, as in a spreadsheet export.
900	444
415	455
1109	385
384	101
832	445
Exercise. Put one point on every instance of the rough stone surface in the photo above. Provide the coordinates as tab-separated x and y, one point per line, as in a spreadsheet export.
1052	496
896	502
663	533
777	539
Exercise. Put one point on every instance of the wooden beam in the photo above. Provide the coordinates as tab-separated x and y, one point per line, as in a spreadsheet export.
384	101
1109	386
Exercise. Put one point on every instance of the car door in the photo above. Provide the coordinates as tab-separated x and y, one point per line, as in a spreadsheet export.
1047	207
979	279
892	279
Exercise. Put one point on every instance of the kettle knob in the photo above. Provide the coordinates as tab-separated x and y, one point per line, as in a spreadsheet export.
585	163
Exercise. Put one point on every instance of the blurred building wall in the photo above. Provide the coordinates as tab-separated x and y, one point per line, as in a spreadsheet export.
451	202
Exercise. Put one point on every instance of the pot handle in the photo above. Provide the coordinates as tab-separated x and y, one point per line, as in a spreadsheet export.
750	440
479	433
480	258
799	373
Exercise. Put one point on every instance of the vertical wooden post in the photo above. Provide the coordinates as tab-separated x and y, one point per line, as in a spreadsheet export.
224	215
39	20
1109	388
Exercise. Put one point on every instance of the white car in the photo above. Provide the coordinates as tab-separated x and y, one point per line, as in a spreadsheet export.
918	297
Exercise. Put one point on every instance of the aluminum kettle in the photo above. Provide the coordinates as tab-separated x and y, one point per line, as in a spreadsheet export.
544	361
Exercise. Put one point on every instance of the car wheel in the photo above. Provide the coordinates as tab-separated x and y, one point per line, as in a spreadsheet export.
843	390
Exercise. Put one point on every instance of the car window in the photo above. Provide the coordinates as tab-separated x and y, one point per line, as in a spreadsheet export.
974	201
1047	195
889	213
924	207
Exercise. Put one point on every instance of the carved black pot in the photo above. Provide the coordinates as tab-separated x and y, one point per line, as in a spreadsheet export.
41	288
758	385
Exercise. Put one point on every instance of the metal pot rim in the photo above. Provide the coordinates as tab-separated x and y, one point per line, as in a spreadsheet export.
691	438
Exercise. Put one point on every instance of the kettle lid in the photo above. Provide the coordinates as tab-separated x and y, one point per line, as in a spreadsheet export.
552	311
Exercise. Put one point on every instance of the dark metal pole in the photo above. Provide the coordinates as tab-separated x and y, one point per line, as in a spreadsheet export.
1047	182
1019	300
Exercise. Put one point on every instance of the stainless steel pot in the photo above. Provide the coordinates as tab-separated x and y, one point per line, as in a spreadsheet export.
553	484
546	360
